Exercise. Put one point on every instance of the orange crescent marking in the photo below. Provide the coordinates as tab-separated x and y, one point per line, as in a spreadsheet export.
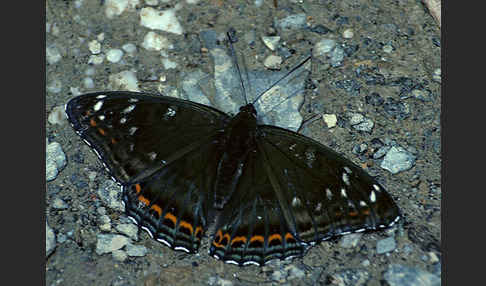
275	236
157	209
353	213
92	122
289	236
238	238
102	132
187	225
113	141
143	200
366	211
258	238
198	230
171	217
138	188
217	239
227	235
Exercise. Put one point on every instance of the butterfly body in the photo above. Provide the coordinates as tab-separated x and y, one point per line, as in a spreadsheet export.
275	192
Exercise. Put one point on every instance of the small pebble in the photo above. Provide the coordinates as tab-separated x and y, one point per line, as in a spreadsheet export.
330	120
165	20
53	55
348	34
387	49
273	62
57	116
125	80
88	83
271	42
94	47
114	55
119	255
96	59
129	48
155	42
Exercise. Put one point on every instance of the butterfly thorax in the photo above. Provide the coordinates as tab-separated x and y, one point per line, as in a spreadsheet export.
239	141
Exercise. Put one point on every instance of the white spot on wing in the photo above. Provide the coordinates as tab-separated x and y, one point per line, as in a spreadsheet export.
348	170
98	105
377	188
346	179
296	202
362	203
101	117
372	197
133	100
132	130
101	96
152	155
343	193
129	109
123	120
328	194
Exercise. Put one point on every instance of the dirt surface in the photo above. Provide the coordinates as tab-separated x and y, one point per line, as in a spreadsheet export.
406	111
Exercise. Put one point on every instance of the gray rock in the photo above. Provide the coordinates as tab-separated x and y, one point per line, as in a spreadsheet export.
50	240
399	275
398	159
350	240
296	21
59	204
55	160
294	272
278	106
107	243
350	277
128	229
119	255
381	152
110	194
271	42
136	250
272	62
386	245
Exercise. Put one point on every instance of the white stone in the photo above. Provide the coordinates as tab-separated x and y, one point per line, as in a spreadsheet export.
114	55
272	62
330	120
192	1
88	83
160	20
96	59
129	48
116	7
57	116
125	80
155	42
348	34
119	255
94	47
152	2
168	64
271	42
53	55
109	242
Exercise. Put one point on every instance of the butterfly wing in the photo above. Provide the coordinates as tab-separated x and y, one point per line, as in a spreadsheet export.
155	147
293	193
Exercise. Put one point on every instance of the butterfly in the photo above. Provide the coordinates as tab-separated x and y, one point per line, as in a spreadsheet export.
271	193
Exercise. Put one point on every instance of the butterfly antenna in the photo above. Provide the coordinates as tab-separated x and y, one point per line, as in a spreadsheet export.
233	55
284	77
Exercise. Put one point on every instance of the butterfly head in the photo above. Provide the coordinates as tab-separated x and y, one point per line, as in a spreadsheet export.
248	110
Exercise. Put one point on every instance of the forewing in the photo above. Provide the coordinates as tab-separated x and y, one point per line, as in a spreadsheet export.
136	134
162	150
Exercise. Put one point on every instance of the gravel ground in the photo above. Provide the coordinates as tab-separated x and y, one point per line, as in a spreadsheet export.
375	86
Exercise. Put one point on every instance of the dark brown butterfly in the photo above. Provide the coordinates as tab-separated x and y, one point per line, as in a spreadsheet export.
275	192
